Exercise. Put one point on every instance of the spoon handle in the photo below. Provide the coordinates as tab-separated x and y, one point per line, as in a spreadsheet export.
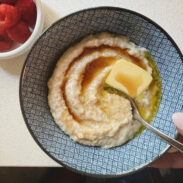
176	144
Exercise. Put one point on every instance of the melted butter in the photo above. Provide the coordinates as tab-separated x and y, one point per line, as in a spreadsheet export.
128	82
155	91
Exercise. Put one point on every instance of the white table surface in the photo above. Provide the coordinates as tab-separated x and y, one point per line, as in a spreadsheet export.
17	147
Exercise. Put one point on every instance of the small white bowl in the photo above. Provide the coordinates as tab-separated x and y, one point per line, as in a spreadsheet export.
22	48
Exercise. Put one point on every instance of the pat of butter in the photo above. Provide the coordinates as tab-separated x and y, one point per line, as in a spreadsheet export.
129	78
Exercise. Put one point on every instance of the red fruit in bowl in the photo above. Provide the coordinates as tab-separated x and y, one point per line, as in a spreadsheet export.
28	11
9	15
5	43
19	33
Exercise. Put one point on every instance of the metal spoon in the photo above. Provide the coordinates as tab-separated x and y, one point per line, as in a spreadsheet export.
176	144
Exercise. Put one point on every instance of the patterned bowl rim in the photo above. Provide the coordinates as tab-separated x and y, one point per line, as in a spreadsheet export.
21	97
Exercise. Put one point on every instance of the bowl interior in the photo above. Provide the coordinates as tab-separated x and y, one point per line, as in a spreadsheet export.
39	66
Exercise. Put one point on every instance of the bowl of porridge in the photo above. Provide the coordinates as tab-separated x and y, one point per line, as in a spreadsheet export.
68	103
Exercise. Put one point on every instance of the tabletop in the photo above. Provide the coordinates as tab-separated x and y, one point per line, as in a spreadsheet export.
17	147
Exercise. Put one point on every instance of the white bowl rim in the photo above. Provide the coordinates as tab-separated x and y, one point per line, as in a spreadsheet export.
28	44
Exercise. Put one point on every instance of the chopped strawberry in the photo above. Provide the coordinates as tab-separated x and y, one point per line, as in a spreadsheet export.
9	15
5	43
27	9
19	33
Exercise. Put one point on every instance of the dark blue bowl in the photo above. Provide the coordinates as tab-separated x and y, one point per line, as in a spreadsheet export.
39	65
